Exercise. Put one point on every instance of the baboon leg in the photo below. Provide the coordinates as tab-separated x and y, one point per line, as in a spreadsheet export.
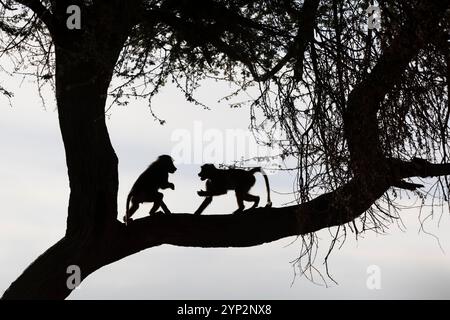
251	198
134	207
155	207
156	203
203	206
164	207
240	201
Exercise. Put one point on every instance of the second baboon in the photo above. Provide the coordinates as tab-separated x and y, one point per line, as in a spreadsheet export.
219	181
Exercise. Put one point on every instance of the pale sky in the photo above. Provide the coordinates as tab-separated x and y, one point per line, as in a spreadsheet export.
33	211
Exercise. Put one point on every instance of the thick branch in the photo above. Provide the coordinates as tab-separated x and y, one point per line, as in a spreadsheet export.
360	118
263	225
247	229
418	168
254	227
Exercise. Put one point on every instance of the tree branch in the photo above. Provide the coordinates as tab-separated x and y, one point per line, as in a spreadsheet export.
305	34
360	117
253	227
407	185
41	11
418	168
306	25
263	225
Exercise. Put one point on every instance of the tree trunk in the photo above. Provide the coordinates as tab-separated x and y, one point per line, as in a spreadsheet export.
91	161
83	75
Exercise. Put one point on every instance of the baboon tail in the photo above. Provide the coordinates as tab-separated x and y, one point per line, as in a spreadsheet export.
254	170
125	219
266	180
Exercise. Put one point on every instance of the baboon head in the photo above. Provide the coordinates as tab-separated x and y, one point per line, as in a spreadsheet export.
167	163
206	171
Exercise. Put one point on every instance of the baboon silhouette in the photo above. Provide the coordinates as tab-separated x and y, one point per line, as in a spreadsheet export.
146	187
219	181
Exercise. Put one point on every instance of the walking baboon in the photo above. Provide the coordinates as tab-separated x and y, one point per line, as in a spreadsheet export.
219	181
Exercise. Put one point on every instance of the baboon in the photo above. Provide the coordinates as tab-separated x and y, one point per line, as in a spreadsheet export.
146	187
219	181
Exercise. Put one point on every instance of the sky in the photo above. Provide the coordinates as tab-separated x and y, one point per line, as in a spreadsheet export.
34	195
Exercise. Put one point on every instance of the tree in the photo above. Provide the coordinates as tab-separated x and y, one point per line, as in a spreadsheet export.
363	110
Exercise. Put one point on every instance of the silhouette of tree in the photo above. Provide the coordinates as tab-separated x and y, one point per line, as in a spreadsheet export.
363	110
